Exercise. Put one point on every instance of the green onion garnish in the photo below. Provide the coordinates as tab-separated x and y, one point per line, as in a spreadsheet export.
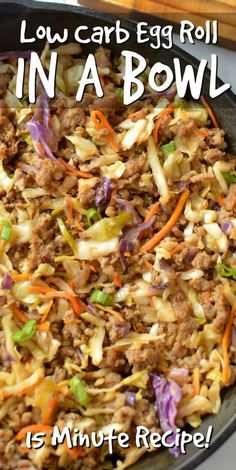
78	389
66	235
26	332
230	179
225	271
168	148
6	231
119	93
92	216
100	297
11	175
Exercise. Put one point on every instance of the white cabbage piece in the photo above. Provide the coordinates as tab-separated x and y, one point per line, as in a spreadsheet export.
157	171
115	170
5	182
164	309
90	250
85	149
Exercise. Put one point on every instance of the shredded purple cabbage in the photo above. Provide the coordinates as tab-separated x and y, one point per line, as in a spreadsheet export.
170	94
124	245
226	226
133	233
6	282
103	193
130	398
15	55
130	237
124	204
167	396
40	130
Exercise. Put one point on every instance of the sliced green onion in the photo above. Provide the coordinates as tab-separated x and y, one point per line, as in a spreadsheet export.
6	231
100	297
119	92
11	175
26	332
230	179
66	235
78	389
179	102
92	216
225	271
56	211
168	148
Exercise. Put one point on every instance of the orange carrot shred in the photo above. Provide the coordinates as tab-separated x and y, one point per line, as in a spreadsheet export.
74	171
196	381
51	408
148	264
117	280
220	200
39	147
33	428
46	312
178	248
152	212
53	293
18	314
225	345
21	277
44	326
77	223
169	225
210	111
76	452
101	122
161	115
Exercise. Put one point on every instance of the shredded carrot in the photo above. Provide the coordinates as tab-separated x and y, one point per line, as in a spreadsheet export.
46	312
101	122
21	277
178	248
169	225
152	212
77	224
202	132
149	265
161	115
53	293
33	428
44	326
72	285
69	203
74	171
220	200
51	408
117	280
225	345
210	111
18	314
76	452
196	381
39	147
127	254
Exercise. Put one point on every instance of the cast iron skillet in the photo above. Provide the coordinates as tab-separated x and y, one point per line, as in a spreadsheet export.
59	16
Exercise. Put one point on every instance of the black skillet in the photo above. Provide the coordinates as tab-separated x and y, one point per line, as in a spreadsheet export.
59	16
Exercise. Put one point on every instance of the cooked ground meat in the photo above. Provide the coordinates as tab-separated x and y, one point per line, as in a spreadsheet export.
107	292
